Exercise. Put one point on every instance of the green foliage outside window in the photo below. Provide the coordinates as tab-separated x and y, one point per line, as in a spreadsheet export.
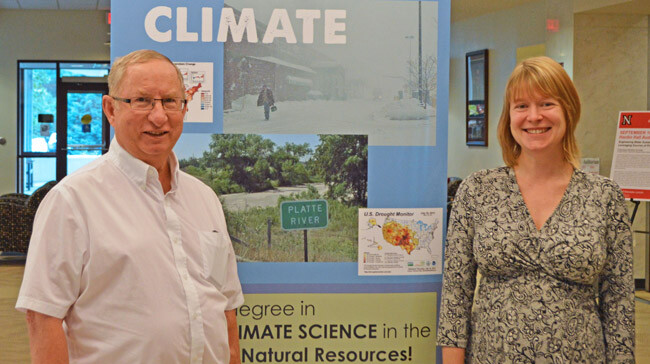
41	99
80	104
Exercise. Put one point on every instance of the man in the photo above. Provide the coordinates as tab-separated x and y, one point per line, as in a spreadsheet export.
265	98
130	260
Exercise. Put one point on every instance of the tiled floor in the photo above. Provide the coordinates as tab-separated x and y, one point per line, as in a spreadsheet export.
13	333
643	327
15	345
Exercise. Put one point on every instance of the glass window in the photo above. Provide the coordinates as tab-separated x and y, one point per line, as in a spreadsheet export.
84	106
84	69
39	107
84	128
37	172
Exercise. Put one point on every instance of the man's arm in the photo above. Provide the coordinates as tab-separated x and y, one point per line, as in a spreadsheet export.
47	341
233	337
451	355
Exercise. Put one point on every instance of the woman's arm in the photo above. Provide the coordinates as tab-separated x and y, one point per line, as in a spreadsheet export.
459	275
617	284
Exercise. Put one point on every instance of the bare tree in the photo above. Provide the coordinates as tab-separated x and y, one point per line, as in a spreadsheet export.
429	76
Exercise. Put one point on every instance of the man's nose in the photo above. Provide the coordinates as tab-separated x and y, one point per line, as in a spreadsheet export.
158	115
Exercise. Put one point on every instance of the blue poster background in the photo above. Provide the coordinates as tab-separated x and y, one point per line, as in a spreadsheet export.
398	176
128	34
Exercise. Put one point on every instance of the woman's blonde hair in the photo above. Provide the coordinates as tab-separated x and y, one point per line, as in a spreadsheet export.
547	77
120	65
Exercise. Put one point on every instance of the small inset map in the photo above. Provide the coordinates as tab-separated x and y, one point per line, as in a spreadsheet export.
197	77
400	241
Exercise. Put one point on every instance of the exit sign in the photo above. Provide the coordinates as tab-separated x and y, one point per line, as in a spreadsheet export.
303	215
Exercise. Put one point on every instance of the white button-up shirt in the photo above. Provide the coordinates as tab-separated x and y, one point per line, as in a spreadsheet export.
137	275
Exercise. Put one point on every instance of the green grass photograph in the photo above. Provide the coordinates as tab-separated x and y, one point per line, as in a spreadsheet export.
254	174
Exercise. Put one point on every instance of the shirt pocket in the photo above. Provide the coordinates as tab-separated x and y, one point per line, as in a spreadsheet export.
216	253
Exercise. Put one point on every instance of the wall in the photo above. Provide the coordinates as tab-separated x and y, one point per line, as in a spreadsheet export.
586	5
611	74
501	33
60	35
559	44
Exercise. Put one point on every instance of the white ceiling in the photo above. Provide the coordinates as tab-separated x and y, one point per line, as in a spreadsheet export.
466	9
56	4
460	9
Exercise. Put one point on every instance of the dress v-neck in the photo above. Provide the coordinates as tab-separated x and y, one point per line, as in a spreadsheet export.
531	221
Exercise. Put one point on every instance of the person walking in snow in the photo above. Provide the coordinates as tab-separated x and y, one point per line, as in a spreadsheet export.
266	99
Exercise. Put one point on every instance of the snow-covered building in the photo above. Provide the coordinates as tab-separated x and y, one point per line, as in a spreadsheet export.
330	79
291	71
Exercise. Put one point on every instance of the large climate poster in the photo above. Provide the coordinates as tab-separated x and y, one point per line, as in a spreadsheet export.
328	108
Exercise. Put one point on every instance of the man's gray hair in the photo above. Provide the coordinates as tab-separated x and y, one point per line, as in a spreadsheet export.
121	64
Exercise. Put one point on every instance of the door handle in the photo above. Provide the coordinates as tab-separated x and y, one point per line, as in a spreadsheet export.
85	147
72	149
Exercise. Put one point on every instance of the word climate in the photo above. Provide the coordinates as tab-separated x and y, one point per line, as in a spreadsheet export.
279	25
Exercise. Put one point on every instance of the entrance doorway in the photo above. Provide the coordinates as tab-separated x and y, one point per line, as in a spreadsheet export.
61	123
85	134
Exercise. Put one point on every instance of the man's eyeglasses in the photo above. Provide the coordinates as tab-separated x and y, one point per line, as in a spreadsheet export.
147	103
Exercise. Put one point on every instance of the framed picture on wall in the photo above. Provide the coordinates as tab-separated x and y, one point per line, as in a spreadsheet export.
476	92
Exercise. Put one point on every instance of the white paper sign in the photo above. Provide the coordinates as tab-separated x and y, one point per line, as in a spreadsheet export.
590	165
400	241
631	160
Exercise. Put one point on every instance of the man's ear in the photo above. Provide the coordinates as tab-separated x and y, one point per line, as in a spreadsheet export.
108	104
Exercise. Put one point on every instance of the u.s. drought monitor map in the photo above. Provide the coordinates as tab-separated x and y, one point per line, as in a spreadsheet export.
400	241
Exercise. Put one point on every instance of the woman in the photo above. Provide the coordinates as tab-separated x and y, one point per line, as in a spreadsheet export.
552	243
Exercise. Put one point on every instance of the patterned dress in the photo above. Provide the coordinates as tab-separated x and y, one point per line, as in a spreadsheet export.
562	294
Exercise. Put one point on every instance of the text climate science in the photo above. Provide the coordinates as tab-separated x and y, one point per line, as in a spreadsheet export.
279	25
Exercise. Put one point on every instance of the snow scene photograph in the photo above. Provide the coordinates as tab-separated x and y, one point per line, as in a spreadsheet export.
378	78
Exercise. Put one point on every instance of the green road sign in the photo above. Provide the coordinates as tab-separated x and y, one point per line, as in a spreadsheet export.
303	215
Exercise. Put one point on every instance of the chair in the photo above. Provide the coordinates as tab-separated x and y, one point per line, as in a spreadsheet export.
17	217
19	198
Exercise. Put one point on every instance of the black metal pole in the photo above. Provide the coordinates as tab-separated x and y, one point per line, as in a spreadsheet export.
306	254
268	231
636	207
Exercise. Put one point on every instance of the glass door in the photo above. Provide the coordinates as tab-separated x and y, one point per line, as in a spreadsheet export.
61	126
85	134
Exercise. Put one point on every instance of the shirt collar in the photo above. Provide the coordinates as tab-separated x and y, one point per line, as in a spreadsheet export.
137	170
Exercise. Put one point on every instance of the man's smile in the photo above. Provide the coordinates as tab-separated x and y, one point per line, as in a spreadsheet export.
156	133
